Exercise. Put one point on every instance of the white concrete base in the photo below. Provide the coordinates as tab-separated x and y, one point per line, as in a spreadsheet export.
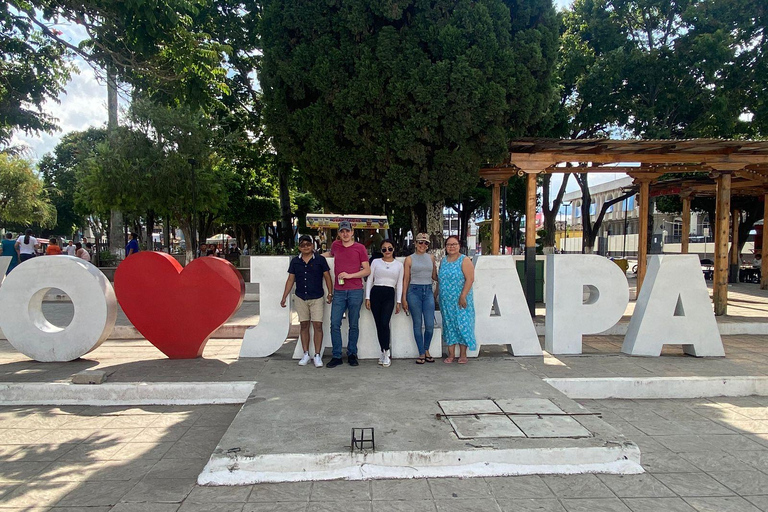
725	329
660	387
232	470
133	393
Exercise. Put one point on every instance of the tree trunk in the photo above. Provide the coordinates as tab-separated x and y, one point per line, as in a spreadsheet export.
550	213
167	235
186	230
428	218
116	236
587	239
150	230
286	217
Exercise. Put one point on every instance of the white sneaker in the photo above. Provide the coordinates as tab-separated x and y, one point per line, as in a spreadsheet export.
381	357
318	361
387	361
305	359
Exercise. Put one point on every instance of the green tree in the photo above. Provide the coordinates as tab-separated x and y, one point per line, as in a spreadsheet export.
58	172
34	70
23	198
402	102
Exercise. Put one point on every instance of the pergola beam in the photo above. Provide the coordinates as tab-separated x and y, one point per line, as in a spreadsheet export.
735	165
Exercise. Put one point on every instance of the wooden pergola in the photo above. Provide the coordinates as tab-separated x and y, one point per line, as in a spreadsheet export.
732	166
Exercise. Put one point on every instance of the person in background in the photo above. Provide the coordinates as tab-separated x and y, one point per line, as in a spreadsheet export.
8	248
457	304
383	288
81	253
53	248
132	247
71	248
26	246
307	271
418	297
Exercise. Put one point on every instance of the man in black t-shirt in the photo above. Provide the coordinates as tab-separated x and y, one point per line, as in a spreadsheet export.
307	271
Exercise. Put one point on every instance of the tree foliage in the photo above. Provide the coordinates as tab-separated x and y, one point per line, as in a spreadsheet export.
34	70
401	101
58	173
23	198
662	68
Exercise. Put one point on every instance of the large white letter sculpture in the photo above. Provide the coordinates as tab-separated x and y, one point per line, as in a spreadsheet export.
496	276
270	333
673	308
569	315
27	329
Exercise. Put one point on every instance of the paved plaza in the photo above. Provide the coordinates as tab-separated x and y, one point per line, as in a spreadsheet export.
703	454
707	454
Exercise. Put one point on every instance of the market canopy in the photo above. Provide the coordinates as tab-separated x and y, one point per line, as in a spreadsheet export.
331	221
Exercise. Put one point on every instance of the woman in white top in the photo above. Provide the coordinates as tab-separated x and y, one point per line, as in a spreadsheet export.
384	287
26	246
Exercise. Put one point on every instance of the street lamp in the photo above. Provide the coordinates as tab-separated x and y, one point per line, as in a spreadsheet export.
565	245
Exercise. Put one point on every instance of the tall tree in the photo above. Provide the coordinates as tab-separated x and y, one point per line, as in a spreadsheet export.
23	198
58	172
402	102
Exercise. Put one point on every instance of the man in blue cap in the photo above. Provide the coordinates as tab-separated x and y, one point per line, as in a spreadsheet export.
350	267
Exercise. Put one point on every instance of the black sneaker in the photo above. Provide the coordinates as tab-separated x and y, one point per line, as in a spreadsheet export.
334	362
352	360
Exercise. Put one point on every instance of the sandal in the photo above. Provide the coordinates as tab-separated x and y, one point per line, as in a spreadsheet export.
429	359
463	360
449	359
420	360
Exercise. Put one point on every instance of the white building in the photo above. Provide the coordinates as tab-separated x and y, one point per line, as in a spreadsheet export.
618	234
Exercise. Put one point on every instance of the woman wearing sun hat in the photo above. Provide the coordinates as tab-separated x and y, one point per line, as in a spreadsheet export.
419	273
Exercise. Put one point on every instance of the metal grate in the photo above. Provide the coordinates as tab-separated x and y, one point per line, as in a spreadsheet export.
363	438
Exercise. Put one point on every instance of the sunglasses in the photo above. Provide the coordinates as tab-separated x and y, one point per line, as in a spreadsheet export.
387	249
422	242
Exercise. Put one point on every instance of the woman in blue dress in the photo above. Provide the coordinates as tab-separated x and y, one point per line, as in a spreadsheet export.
457	304
8	248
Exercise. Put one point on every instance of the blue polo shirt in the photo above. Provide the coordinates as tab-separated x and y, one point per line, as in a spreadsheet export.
309	276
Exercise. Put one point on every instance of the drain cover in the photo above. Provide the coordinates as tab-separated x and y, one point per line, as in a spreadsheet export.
517	417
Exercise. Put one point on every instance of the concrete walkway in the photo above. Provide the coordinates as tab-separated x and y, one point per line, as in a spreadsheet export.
699	455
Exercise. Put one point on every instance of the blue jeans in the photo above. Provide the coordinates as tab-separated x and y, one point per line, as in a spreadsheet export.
350	301
421	303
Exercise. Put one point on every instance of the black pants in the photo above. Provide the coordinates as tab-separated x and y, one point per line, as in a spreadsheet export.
382	304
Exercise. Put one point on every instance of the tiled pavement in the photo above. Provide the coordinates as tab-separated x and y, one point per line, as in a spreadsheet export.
705	455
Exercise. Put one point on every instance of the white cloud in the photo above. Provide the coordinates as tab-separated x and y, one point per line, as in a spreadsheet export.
82	105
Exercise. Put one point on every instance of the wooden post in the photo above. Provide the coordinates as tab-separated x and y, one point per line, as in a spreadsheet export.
764	249
686	224
642	239
495	196
733	267
723	206
530	242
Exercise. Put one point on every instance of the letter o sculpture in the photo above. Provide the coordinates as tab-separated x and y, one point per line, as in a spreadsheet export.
21	314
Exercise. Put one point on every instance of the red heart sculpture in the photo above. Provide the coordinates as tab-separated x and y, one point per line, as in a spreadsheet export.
178	308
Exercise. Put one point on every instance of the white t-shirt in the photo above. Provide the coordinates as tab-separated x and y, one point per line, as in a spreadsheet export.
386	274
71	249
27	248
